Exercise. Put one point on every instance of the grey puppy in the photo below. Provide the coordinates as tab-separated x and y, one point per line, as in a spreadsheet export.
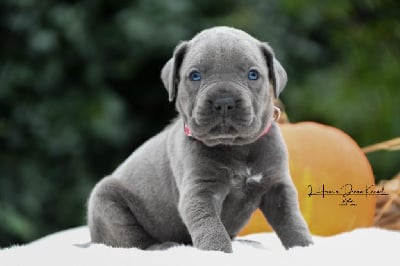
201	187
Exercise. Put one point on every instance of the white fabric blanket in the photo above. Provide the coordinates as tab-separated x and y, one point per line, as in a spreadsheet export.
360	247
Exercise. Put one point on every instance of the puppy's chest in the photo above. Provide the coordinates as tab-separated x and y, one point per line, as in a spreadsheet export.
245	182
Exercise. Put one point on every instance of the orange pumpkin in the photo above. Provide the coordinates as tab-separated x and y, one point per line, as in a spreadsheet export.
333	178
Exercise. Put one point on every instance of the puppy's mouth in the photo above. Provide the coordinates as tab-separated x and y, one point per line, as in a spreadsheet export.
224	132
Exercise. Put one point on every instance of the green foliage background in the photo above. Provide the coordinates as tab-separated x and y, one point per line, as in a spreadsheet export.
80	88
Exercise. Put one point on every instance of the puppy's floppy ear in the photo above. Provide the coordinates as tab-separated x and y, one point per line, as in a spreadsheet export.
170	71
276	72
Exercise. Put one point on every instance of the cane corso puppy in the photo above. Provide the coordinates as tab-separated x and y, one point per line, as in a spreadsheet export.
199	180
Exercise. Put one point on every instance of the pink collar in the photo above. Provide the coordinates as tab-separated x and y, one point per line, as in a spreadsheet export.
189	133
266	130
187	130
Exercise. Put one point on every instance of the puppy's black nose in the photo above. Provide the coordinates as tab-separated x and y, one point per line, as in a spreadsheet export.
224	105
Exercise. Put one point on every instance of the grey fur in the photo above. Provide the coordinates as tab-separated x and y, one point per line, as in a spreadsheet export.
202	190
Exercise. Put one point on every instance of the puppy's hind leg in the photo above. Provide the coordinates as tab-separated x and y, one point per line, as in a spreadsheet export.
110	219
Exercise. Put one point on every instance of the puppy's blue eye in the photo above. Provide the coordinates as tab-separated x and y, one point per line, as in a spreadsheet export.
195	75
253	75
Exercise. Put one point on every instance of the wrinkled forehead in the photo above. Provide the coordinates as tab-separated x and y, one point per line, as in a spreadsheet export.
223	53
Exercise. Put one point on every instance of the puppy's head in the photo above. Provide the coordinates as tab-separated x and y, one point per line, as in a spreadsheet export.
224	82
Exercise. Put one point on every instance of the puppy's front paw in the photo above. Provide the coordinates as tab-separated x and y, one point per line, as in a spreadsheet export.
217	242
303	240
227	248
